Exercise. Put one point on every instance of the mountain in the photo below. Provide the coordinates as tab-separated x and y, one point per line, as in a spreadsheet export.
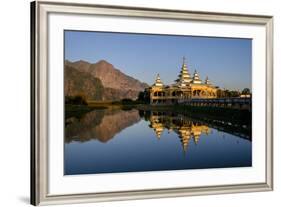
115	84
79	83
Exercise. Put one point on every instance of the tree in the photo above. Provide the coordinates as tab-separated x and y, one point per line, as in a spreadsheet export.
143	97
246	91
76	100
127	101
234	94
226	93
220	93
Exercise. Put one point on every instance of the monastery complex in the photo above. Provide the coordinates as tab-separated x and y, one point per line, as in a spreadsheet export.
185	88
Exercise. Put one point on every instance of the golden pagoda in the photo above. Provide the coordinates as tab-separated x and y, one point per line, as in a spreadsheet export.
184	77
158	82
196	78
184	89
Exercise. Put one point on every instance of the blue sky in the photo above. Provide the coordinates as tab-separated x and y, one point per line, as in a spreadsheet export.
226	61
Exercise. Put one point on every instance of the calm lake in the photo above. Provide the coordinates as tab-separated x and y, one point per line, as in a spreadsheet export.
111	141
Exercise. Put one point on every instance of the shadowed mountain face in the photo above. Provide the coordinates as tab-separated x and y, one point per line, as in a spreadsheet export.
99	124
79	83
115	84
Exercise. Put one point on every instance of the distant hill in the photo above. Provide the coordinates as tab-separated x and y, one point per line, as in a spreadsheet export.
99	81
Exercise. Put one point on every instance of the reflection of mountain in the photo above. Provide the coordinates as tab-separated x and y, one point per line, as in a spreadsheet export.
186	128
99	124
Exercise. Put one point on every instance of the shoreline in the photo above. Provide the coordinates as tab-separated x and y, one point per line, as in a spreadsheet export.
243	116
226	119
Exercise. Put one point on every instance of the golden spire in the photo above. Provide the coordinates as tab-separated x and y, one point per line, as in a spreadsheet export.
158	81
207	81
196	78
184	76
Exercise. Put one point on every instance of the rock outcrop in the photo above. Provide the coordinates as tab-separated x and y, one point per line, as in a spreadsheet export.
115	84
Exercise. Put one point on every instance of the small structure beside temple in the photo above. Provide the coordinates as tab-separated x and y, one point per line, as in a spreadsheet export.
184	89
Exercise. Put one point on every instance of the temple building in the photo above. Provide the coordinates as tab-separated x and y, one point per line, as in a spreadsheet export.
186	87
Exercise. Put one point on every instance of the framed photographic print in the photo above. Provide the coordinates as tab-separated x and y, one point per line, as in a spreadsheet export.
133	103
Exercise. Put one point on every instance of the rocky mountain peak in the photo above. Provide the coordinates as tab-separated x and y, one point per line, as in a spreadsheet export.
116	84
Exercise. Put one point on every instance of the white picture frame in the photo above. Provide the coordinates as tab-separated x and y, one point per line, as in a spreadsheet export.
43	145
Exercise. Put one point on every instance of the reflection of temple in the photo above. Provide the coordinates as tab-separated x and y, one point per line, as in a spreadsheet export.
184	127
185	88
158	128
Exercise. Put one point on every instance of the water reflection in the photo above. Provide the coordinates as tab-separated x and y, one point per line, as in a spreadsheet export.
103	125
105	141
99	124
183	126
